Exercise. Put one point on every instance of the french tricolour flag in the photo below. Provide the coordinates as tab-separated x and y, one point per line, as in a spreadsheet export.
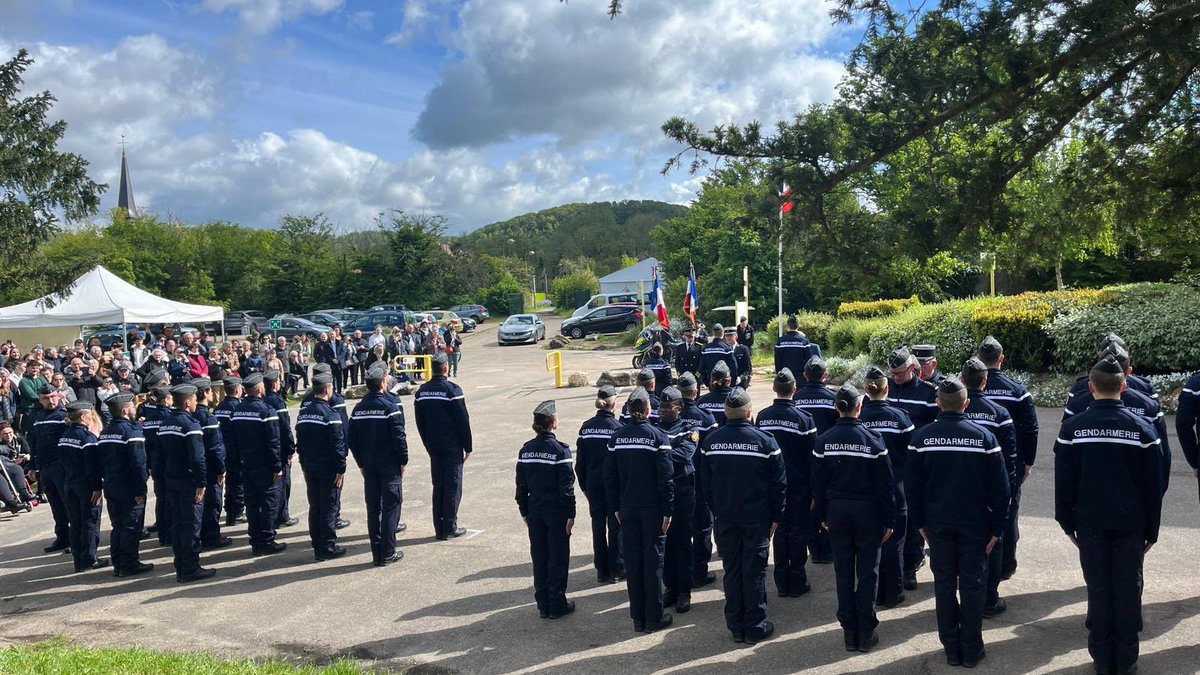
660	307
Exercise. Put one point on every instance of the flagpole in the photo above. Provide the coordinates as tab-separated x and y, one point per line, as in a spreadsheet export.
779	282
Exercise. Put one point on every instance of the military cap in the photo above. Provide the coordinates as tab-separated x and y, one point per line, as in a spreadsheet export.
253	380
440	359
270	376
846	397
76	406
545	409
639	397
815	366
202	383
46	390
322	378
232	379
718	328
924	352
161	393
687	380
117	401
874	372
157	375
605	392
322	368
950	385
899	358
990	347
738	398
689	330
1117	352
1109	364
721	370
183	390
671	394
785	376
1110	339
973	366
645	375
376	376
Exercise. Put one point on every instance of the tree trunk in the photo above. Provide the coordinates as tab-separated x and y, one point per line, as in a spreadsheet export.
1058	281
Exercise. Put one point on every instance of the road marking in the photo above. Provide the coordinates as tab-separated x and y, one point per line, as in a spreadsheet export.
471	534
486	386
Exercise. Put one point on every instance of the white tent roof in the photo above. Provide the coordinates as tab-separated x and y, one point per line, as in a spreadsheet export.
640	271
101	297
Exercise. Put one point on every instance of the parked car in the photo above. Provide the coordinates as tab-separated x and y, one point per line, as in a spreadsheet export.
341	315
468	325
445	317
477	313
601	299
388	308
521	329
606	319
388	319
319	318
107	337
418	317
239	323
291	326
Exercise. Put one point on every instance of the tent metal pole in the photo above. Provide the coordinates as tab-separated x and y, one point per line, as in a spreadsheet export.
125	335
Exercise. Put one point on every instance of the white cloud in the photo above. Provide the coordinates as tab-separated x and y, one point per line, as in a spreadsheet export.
418	16
532	67
362	20
263	16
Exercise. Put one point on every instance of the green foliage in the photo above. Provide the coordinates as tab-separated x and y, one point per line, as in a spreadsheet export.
946	324
1019	323
850	337
564	290
815	325
498	295
1156	320
874	308
37	182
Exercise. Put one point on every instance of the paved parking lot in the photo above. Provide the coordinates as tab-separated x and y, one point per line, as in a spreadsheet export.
467	605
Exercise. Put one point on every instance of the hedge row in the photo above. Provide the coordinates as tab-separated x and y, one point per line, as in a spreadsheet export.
1056	330
875	308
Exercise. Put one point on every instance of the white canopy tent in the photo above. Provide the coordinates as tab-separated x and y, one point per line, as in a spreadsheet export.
100	298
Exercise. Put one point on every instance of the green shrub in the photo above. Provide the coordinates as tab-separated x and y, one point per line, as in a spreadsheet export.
842	370
946	325
875	308
498	296
564	290
1156	320
814	325
851	337
1019	322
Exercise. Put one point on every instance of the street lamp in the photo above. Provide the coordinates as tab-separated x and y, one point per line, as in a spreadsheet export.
533	273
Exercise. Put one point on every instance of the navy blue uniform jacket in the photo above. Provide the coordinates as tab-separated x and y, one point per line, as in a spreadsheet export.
255	436
122	450
956	475
591	448
376	437
744	479
638	471
851	462
545	482
442	418
320	440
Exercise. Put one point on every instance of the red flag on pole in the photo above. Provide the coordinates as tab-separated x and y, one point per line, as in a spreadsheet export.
785	196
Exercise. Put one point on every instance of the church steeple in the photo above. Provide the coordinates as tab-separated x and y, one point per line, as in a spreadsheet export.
125	196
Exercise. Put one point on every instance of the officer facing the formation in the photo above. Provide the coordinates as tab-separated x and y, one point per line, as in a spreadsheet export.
660	367
1134	401
48	426
816	399
793	350
646	381
719	386
82	478
957	490
338	403
1107	498
854	494
637	477
1016	399
322	449
445	429
255	438
287	445
715	352
181	443
214	463
235	494
122	454
678	559
379	443
687	355
983	411
702	522
918	399
746	485
1134	382
591	450
894	427
546	500
1187	422
927	363
795	432
741	356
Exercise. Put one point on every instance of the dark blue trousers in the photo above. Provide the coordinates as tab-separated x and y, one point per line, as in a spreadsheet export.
1112	570
210	521
85	526
162	507
446	466
322	513
186	516
791	544
128	520
550	549
855	531
262	503
606	534
744	552
285	496
891	556
644	544
52	482
702	532
384	493
678	561
235	490
958	560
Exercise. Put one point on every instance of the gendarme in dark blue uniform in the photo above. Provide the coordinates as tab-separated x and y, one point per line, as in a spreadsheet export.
546	499
287	446
255	439
918	399
82	474
152	414
214	463
379	443
746	485
793	349
235	490
181	444
637	478
716	352
48	426
321	445
445	429
591	453
122	451
679	558
1187	421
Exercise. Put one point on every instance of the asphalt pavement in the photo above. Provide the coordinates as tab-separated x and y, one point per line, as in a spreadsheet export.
466	605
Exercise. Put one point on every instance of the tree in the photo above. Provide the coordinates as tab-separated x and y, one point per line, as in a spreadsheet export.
1009	80
37	182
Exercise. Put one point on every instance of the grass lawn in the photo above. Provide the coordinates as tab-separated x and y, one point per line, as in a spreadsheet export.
60	656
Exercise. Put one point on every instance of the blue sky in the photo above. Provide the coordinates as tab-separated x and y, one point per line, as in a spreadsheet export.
246	110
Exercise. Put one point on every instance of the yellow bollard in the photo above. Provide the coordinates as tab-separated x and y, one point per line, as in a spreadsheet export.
556	367
424	365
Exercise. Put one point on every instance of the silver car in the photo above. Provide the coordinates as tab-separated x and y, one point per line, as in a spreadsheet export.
521	329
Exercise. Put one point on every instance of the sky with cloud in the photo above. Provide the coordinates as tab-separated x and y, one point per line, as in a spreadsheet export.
246	110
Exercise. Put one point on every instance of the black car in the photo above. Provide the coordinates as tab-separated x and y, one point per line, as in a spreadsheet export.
321	318
240	323
291	326
388	319
387	308
606	319
477	313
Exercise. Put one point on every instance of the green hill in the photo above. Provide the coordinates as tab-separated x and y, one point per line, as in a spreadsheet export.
603	232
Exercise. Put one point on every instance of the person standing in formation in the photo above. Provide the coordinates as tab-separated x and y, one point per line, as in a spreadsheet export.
591	450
